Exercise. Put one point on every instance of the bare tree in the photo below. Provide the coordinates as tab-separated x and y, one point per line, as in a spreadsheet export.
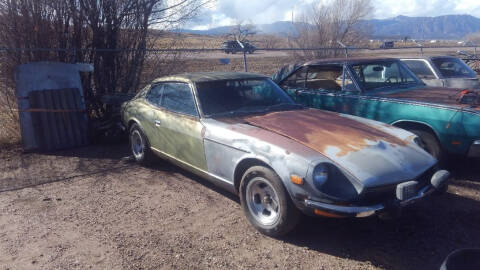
241	31
111	34
327	23
271	41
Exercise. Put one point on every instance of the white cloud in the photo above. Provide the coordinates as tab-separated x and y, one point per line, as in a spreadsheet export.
227	12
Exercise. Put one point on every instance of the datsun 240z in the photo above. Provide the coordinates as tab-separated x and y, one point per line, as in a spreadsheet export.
242	132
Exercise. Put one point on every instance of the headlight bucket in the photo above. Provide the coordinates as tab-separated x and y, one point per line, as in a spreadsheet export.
320	175
331	181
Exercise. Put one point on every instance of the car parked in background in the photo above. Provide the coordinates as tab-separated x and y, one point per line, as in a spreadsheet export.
443	71
242	132
387	45
233	46
384	89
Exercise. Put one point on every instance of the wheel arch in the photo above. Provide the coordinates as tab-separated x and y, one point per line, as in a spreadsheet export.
409	124
243	166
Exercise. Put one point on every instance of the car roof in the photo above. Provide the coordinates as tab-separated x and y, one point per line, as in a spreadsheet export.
429	57
210	76
352	60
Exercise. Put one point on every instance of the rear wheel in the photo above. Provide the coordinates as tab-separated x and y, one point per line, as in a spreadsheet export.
139	146
266	202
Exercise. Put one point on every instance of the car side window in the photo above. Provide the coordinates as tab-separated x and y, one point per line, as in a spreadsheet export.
178	97
154	95
296	80
420	68
328	78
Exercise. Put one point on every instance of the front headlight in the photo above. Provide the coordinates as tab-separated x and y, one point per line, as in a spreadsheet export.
320	175
330	180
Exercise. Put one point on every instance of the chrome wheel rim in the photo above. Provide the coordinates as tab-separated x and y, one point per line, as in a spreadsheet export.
262	201
137	144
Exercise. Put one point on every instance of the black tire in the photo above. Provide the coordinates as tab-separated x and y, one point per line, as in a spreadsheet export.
431	144
144	157
288	215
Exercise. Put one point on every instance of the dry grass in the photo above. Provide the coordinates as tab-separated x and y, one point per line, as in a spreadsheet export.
10	130
261	65
183	41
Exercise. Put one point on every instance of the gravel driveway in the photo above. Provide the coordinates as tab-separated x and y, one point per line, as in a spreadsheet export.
96	209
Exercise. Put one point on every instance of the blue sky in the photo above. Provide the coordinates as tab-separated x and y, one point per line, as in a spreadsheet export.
227	12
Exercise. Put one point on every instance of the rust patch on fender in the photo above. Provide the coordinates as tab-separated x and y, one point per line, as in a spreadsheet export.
320	129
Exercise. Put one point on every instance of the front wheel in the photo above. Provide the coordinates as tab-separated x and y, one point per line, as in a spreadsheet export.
430	144
266	203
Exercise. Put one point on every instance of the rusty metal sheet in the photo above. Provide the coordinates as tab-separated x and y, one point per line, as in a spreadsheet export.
58	119
51	105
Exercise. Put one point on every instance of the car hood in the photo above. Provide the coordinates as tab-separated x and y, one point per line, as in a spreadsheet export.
372	152
435	95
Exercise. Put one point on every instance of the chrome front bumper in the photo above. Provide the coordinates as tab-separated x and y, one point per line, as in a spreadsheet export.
438	181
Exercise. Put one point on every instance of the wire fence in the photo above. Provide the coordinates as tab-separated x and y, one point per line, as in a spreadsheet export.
160	62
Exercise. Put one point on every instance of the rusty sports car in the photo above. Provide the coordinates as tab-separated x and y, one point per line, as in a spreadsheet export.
447	120
242	132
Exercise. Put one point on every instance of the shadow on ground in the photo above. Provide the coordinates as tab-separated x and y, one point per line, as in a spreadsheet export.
420	239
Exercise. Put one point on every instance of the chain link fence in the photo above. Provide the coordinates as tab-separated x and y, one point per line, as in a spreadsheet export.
161	62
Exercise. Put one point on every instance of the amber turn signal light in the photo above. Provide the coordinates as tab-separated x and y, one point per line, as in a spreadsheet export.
326	214
296	179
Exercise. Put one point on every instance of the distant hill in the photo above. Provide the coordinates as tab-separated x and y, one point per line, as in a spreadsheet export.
441	27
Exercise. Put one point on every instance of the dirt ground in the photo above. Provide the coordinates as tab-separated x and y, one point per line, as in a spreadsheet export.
93	208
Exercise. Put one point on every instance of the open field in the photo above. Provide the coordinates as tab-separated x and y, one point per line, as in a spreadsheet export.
103	212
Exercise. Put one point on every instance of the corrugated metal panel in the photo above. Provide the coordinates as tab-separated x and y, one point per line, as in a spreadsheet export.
58	118
53	129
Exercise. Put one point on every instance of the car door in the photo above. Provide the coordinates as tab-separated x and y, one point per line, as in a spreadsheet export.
180	131
150	113
376	80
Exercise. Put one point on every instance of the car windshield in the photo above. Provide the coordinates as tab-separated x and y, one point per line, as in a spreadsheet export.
384	74
453	68
245	96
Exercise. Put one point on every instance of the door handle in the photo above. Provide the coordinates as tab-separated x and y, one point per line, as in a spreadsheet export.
158	123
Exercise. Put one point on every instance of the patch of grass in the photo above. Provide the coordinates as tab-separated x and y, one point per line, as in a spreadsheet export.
10	131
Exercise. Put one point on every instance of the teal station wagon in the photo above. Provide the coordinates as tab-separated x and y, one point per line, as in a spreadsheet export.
447	120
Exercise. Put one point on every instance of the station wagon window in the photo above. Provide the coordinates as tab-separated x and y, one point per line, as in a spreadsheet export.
178	97
154	95
453	68
420	68
383	74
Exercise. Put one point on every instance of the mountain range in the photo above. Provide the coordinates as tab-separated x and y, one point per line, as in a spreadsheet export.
453	27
